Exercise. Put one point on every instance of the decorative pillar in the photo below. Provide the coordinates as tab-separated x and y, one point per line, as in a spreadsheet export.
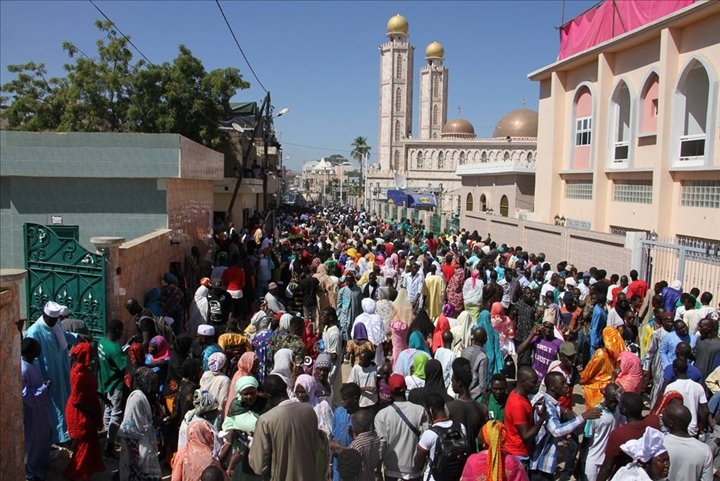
110	248
12	443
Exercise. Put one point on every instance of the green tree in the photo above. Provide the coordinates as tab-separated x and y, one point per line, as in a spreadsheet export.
360	150
111	93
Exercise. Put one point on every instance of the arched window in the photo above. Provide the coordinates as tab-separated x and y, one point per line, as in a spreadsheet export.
620	118
483	203
469	202
420	161
583	117
506	156
398	99
397	130
649	102
529	157
483	157
441	161
398	67
692	99
504	206
462	158
396	160
435	116
435	86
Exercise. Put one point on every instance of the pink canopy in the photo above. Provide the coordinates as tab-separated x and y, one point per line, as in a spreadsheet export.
611	18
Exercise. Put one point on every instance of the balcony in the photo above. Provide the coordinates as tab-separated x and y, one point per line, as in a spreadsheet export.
498	167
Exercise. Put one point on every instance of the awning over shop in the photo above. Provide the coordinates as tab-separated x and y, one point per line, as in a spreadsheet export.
410	198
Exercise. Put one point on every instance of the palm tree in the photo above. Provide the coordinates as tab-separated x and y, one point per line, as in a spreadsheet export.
360	150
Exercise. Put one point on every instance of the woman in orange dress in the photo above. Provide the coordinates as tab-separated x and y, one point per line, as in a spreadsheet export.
600	370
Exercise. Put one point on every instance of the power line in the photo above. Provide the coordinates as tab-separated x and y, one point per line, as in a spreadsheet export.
238	46
120	32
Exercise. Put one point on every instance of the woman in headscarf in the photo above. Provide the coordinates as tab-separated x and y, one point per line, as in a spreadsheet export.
504	327
421	330
284	367
190	461
384	308
663	402
158	358
650	459
214	379
152	301
326	295
496	360
416	378
375	329
83	416
442	325
402	316
493	463
205	410
599	370
305	387
473	294
629	372
359	343
321	372
434	382
454	290
198	311
189	382
462	333
388	269
247	365
240	422
138	453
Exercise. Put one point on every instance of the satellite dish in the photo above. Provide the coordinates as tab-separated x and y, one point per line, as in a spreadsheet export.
400	181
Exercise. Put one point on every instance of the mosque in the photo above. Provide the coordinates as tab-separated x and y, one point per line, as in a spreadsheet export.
445	158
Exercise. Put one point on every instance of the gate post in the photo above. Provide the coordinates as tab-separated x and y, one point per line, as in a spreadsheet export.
12	445
681	264
110	248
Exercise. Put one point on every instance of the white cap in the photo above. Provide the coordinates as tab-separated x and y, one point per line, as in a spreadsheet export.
52	309
65	312
205	330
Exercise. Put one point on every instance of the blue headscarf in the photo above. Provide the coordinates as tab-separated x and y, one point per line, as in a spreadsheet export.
492	345
360	332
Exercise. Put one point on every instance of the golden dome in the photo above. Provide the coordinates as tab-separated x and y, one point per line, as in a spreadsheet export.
434	50
397	24
517	123
459	128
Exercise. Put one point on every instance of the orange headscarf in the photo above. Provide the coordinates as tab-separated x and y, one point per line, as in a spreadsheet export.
599	371
669	397
245	366
495	434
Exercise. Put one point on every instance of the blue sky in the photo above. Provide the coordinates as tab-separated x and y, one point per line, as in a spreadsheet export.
320	59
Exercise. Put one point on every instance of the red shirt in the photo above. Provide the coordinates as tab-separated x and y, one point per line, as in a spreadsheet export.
518	410
234	278
625	433
639	287
448	271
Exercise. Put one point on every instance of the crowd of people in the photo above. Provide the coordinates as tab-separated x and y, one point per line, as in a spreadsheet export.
343	346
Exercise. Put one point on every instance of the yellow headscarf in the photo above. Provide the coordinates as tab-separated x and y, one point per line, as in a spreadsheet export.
495	434
613	341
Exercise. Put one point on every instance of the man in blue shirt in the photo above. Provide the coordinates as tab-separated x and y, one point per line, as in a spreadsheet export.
670	342
599	320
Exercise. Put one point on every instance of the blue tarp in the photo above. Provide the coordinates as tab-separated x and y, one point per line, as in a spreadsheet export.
410	198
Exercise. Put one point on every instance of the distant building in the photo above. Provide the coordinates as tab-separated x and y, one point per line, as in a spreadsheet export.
445	158
628	136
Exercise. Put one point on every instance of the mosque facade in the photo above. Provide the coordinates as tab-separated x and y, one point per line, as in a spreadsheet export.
445	157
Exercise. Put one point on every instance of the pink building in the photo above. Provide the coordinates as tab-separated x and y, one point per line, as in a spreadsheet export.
628	126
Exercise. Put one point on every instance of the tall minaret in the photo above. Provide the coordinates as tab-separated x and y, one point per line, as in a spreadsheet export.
433	93
396	82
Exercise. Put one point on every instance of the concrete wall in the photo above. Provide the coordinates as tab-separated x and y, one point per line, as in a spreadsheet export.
583	249
11	407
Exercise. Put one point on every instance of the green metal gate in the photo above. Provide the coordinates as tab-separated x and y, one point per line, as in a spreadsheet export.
61	270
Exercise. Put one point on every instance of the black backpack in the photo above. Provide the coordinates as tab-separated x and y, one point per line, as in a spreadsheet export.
451	452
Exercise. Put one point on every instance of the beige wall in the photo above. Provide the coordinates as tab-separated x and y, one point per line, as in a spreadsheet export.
665	49
583	249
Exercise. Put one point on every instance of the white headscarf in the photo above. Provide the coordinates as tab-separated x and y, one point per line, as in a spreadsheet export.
283	364
647	447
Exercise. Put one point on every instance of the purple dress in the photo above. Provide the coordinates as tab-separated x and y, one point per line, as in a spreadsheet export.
36	417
